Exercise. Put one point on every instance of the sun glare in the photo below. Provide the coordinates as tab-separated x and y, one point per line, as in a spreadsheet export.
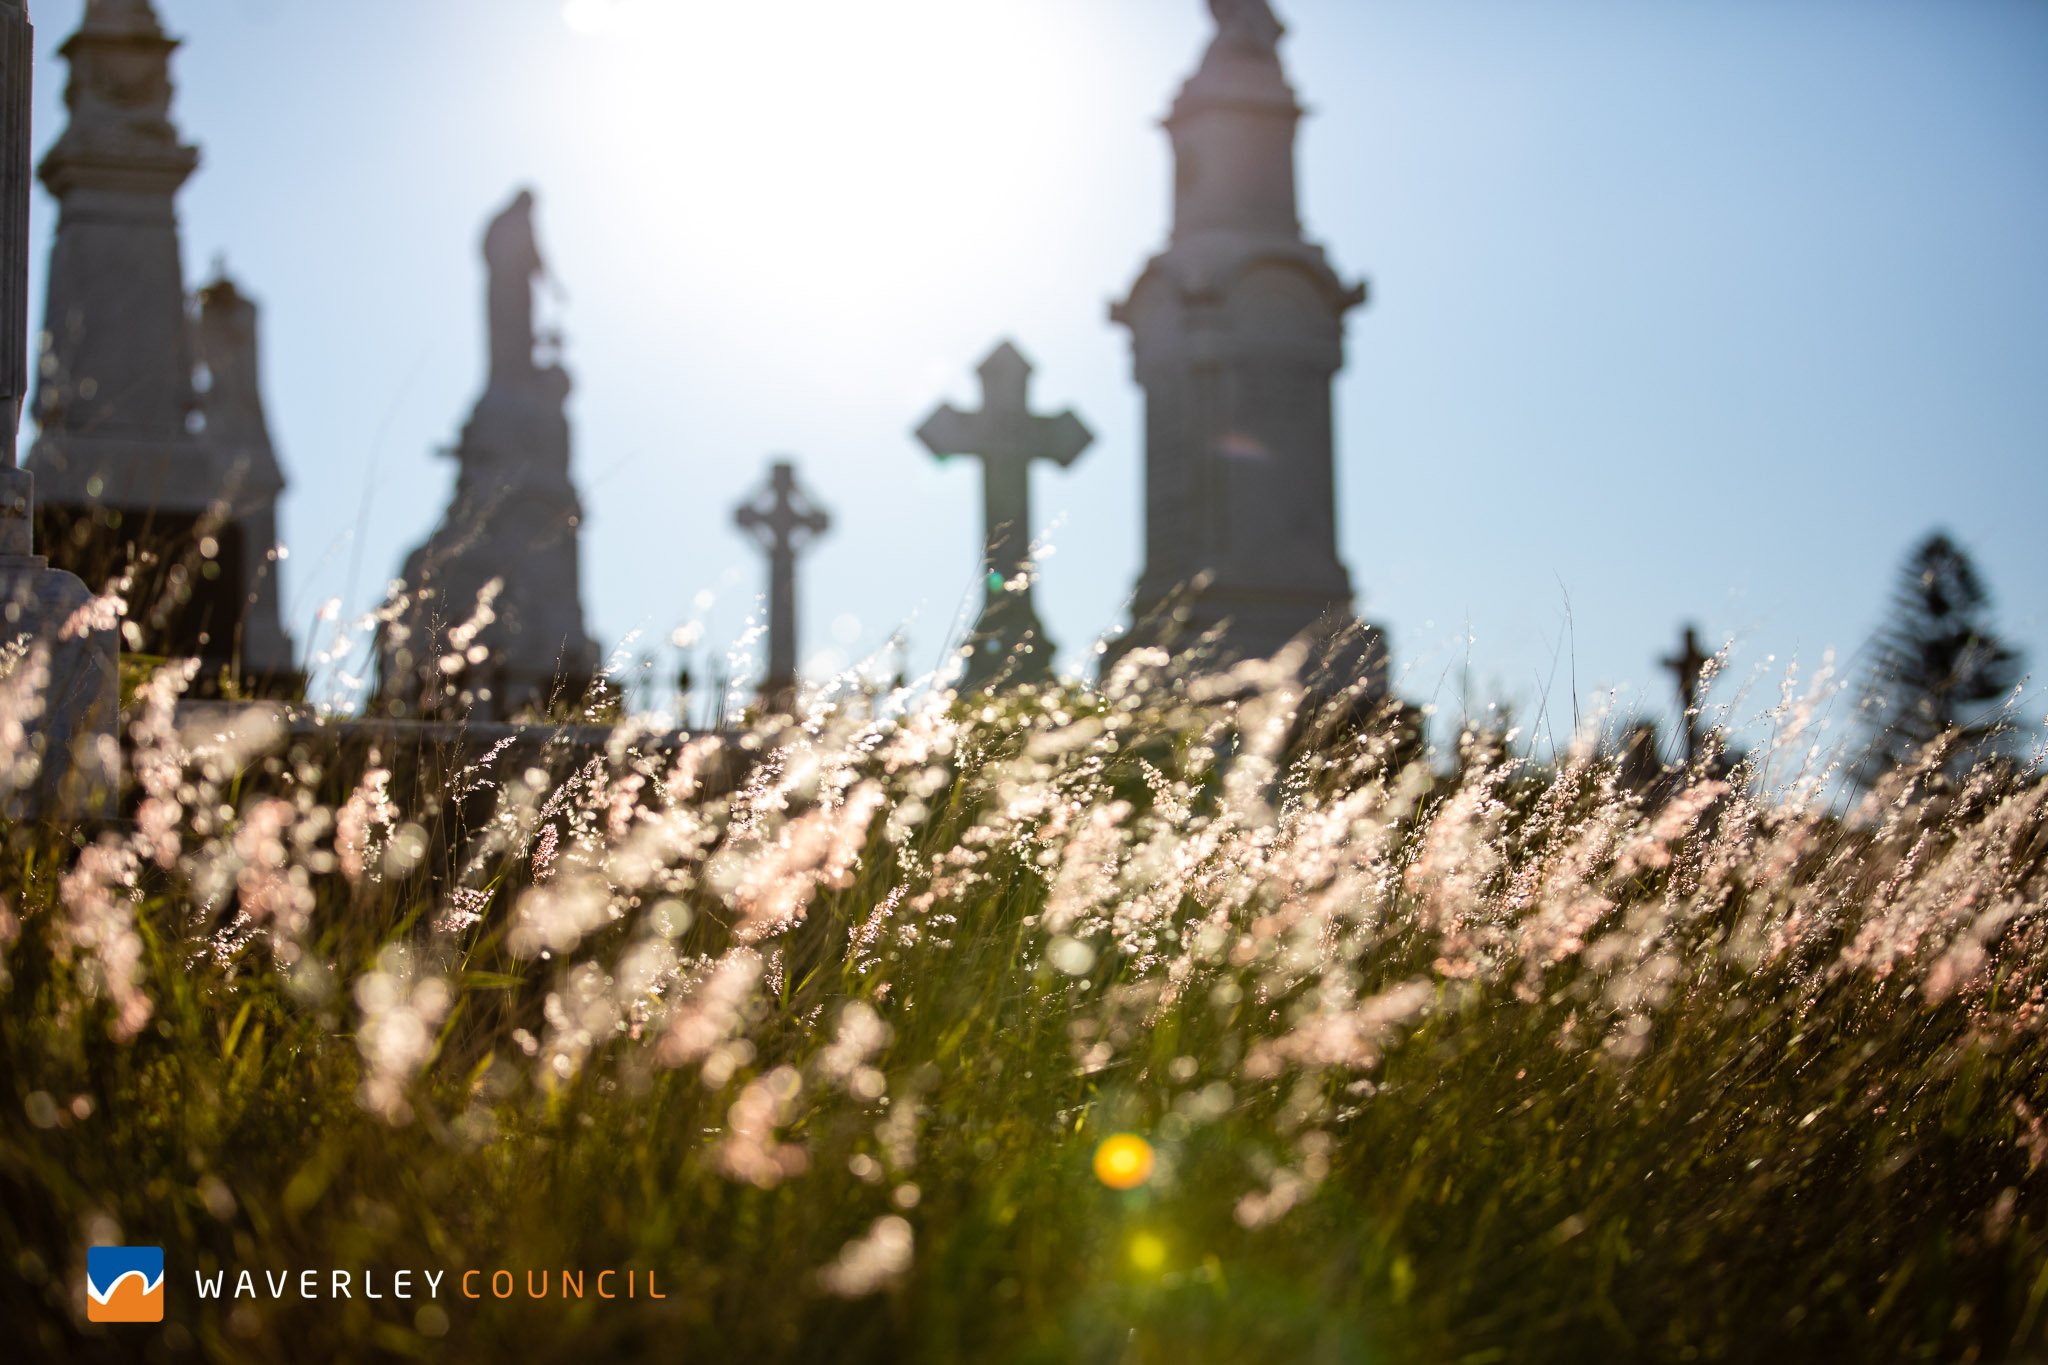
828	153
590	16
1124	1162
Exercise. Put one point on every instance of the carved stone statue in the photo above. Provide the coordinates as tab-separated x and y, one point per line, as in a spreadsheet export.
1247	23
513	258
513	522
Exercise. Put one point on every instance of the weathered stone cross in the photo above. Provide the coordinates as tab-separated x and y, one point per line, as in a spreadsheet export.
1008	641
783	521
1686	666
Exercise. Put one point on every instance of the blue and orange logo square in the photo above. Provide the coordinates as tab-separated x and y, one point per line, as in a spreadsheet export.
124	1284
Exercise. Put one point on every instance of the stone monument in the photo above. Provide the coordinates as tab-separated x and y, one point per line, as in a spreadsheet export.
783	521
1687	668
1008	642
513	523
1237	331
58	678
237	431
131	477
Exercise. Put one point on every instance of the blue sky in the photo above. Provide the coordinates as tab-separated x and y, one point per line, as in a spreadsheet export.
1681	310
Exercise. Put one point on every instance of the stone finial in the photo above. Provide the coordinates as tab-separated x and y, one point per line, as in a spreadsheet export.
120	137
126	17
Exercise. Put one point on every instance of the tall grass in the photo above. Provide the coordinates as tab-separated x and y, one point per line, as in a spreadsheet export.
823	1023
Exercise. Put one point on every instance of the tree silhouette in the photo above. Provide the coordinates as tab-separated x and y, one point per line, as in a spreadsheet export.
1937	668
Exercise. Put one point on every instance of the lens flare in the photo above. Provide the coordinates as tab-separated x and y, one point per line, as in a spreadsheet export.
1123	1162
1147	1251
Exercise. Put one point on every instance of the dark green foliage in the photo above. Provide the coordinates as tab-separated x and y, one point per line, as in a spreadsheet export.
1938	670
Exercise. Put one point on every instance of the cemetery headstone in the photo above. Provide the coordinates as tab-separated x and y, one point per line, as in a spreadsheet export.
1237	332
783	521
1008	642
1687	668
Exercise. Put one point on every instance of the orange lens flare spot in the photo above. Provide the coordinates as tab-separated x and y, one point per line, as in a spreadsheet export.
1124	1162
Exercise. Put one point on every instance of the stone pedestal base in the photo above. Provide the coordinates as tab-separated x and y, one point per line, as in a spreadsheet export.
1344	659
514	520
60	684
1008	644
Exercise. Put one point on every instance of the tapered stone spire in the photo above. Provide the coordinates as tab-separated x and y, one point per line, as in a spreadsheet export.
129	475
1237	332
117	363
238	432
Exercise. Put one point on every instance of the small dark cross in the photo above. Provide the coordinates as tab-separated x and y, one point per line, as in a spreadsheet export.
1008	639
1688	666
783	521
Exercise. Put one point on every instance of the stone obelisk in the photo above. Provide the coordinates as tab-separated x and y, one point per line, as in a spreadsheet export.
130	474
59	679
513	522
238	436
1237	332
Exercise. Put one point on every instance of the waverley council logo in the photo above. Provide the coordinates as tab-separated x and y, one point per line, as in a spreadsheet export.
124	1284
